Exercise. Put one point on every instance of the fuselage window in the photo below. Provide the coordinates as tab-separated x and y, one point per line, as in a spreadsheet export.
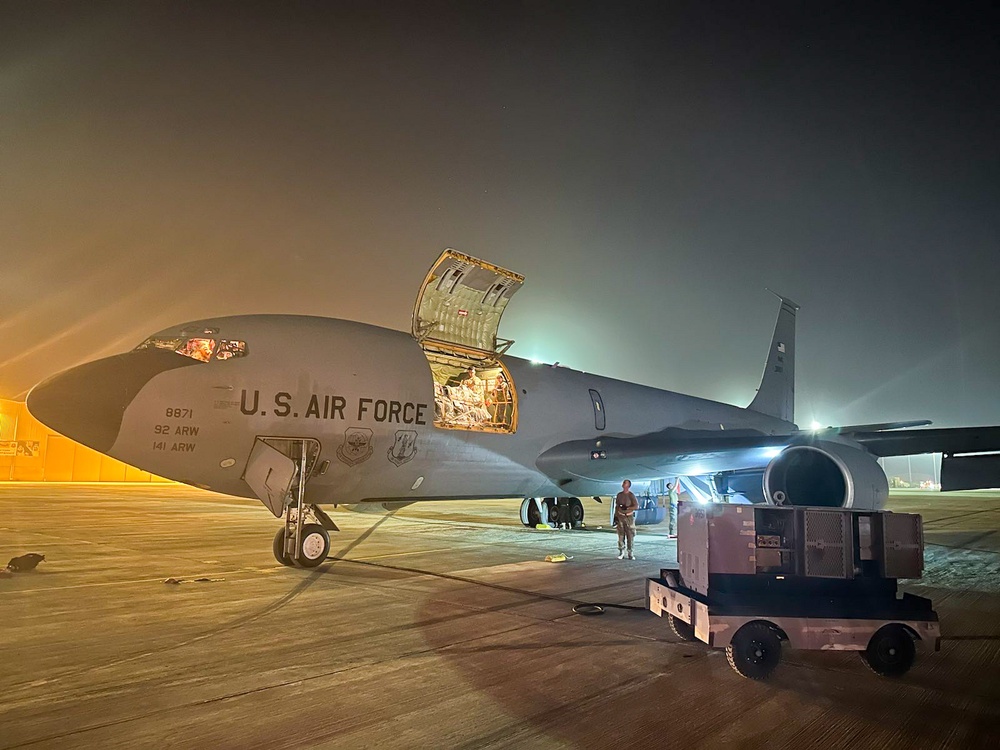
599	420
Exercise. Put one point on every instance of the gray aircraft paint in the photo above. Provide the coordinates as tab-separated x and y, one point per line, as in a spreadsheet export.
306	356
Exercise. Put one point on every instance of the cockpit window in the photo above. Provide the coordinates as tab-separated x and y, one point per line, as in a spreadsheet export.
199	348
230	349
160	343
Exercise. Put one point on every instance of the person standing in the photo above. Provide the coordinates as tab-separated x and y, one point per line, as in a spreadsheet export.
625	507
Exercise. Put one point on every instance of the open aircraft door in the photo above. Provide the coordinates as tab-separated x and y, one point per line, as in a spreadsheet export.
456	319
461	301
274	466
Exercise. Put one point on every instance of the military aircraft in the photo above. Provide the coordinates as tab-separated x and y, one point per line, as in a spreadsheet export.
304	411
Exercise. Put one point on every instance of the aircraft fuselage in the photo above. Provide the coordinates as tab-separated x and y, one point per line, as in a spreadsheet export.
367	395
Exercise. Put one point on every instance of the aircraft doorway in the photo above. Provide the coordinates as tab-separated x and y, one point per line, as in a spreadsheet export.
472	395
455	320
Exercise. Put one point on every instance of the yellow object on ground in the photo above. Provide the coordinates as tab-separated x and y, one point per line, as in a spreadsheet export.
561	557
543	526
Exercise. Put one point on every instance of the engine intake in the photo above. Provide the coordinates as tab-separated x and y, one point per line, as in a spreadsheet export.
826	474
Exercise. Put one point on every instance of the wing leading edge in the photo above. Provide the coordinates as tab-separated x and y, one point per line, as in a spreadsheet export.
938	440
971	455
657	455
676	451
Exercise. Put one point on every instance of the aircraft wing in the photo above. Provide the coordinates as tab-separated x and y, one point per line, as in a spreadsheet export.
660	454
938	440
676	451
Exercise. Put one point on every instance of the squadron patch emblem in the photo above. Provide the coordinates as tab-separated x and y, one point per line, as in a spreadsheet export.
357	446
405	447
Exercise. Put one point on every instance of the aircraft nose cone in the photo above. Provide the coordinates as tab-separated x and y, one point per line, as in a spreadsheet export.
87	403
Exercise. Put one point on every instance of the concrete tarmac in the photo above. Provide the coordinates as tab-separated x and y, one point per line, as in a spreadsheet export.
438	626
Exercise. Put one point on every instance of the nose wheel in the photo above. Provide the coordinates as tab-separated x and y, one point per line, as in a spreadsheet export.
279	549
315	546
313	540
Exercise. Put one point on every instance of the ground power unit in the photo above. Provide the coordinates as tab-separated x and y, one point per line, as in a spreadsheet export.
752	577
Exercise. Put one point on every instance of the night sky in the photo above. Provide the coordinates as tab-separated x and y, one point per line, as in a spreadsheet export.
649	167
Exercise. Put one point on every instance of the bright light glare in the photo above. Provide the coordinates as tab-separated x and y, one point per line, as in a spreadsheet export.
771	452
815	425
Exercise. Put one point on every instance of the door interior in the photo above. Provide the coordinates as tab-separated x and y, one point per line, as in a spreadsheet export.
456	318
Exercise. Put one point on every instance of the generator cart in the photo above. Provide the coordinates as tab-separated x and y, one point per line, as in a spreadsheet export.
751	577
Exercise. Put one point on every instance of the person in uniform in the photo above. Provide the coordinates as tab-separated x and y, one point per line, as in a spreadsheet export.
625	507
499	401
470	378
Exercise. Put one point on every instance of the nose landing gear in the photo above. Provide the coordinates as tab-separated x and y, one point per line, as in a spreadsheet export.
307	544
277	471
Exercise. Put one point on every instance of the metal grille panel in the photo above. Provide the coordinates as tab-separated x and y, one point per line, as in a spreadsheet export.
902	545
828	551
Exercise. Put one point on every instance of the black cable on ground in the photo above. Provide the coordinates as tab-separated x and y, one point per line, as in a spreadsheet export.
580	608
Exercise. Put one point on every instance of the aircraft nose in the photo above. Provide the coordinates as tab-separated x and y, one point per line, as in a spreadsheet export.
87	403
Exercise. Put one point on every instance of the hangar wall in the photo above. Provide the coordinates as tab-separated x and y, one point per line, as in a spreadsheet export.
31	452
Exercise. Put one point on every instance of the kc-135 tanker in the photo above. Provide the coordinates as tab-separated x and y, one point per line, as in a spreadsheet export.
305	411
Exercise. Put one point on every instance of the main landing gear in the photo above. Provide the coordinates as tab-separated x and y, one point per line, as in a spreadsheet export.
553	511
304	544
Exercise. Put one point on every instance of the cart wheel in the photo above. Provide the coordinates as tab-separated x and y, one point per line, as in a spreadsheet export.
890	652
754	651
279	548
681	629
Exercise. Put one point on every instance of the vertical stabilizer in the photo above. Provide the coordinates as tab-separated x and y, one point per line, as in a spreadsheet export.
776	393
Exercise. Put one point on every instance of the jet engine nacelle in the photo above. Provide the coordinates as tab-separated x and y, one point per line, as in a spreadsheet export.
826	474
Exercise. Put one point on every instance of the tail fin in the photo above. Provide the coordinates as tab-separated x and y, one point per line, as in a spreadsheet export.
776	393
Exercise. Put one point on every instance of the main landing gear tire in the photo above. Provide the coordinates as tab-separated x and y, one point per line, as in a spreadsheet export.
890	652
279	549
315	545
681	629
529	513
571	506
754	651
